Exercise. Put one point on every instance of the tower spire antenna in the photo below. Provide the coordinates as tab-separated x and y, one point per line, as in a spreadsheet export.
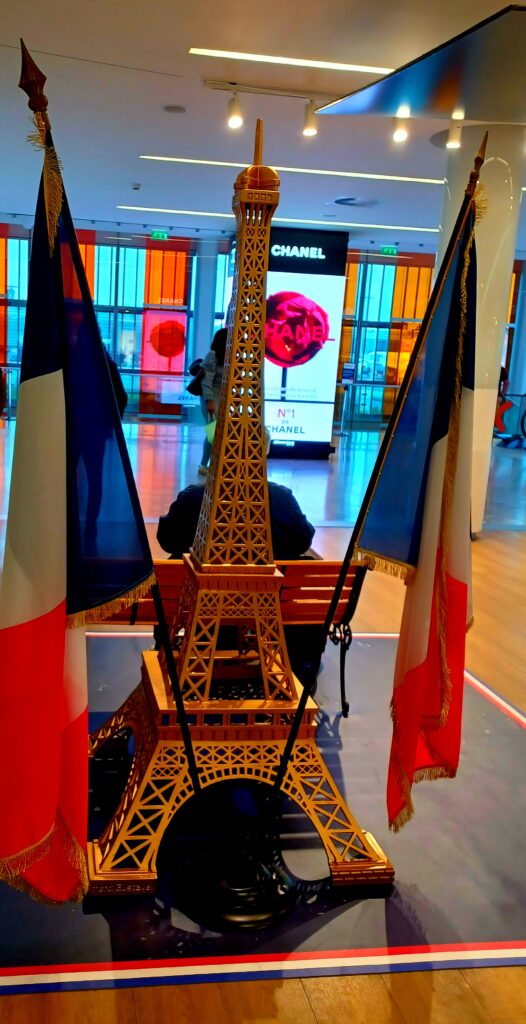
258	143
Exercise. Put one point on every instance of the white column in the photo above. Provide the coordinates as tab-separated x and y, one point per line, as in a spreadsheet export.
496	236
206	264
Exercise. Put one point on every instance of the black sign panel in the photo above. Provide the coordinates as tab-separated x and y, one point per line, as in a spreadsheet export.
308	252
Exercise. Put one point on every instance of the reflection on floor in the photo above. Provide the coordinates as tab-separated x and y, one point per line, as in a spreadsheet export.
165	456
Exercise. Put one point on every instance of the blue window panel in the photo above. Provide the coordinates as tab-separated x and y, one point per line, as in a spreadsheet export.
132	268
221	273
105	264
17	268
16	318
379	293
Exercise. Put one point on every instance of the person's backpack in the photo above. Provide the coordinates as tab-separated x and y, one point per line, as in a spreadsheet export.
198	373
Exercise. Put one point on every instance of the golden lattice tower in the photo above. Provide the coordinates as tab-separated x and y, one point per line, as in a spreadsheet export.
231	575
239	701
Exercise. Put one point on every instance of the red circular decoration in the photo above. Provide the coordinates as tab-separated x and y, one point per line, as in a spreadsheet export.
167	338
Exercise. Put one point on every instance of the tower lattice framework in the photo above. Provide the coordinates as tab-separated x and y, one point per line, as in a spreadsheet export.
241	700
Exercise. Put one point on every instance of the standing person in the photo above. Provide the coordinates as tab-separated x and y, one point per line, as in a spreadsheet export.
213	365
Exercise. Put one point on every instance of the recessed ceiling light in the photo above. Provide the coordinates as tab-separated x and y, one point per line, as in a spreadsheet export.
297	62
280	220
400	133
296	170
454	138
235	115
310	127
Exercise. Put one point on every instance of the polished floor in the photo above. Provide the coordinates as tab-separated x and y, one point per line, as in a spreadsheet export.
165	458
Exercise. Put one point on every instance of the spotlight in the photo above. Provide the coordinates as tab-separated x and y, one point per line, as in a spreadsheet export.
400	133
455	135
309	127
235	116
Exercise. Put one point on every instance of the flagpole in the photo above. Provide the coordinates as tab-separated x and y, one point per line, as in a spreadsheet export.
408	376
384	448
32	81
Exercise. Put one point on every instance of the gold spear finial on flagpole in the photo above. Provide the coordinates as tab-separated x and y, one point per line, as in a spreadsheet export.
32	82
479	160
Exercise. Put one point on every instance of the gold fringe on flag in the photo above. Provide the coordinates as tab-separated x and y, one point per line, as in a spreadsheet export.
51	174
388	566
13	868
480	199
105	611
422	775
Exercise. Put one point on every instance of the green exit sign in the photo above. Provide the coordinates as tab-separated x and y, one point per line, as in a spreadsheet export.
158	236
388	250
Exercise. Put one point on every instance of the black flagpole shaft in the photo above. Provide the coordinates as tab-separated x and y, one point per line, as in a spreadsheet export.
393	420
378	466
176	688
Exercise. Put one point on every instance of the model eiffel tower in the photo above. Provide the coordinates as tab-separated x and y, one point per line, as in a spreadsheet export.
237	703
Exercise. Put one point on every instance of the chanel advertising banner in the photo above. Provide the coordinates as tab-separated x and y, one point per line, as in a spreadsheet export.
305	295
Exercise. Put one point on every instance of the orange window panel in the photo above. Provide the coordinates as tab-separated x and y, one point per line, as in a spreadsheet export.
399	293
87	253
411	293
351	285
180	278
423	292
165	280
69	277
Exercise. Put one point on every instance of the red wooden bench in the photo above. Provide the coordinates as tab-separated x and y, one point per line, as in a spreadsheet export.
305	597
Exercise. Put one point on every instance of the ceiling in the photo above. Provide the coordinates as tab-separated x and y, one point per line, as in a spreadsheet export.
113	67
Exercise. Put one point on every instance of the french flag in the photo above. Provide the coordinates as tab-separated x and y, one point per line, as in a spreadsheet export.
76	548
417	526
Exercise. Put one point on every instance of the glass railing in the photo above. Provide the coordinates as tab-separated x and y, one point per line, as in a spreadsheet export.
363	404
149	394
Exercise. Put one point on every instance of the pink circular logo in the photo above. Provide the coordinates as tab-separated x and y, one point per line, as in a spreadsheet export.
296	329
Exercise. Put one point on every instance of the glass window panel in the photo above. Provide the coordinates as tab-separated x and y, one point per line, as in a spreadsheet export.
424	291
378	292
410	294
380	360
17	268
351	287
132	264
386	295
105	262
221	273
16	318
105	321
367	353
373	291
3	267
399	292
128	340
